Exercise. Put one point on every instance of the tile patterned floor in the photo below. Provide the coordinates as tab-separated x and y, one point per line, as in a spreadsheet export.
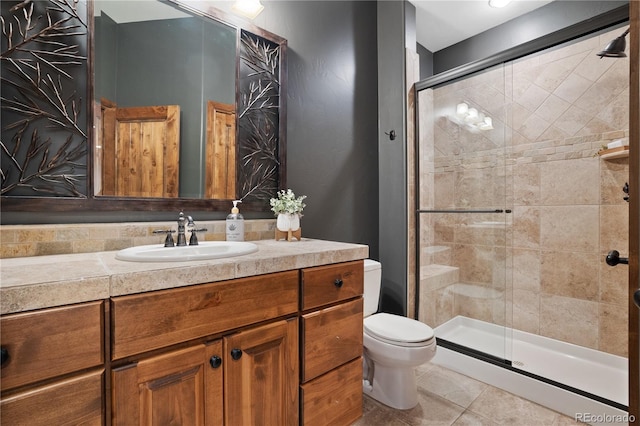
446	398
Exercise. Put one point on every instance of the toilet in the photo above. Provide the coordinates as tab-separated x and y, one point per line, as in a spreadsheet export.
393	347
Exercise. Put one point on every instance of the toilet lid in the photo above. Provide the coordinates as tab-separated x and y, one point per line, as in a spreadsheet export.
397	329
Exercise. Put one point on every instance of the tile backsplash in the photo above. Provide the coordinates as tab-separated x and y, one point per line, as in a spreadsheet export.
39	240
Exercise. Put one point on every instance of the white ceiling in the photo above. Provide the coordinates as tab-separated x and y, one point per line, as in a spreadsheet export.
442	23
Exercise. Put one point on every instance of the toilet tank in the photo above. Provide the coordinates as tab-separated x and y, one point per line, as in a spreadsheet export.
372	281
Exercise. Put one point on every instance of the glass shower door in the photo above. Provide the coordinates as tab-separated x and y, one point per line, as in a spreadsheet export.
464	220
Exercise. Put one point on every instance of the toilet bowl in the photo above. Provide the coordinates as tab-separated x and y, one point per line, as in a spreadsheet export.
393	347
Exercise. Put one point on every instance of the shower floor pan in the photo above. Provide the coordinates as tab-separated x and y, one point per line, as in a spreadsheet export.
562	376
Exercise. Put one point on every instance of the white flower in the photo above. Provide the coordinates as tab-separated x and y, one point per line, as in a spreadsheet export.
286	202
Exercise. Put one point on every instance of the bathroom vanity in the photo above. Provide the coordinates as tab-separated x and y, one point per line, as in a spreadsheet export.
272	337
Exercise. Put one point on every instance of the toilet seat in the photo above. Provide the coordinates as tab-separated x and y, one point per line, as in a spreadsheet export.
398	330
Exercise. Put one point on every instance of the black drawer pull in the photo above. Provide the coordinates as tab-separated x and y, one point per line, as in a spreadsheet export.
4	355
236	354
338	282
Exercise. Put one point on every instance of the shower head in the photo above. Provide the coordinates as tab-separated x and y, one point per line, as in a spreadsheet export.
615	48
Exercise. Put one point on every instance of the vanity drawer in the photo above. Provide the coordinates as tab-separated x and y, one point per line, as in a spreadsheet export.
334	398
330	338
51	342
323	285
72	401
154	320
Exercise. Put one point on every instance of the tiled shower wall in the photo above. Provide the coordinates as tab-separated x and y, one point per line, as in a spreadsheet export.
540	268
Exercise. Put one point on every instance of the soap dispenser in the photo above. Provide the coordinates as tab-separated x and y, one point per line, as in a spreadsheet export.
235	224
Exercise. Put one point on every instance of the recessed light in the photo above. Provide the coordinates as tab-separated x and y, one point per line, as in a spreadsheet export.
499	3
248	8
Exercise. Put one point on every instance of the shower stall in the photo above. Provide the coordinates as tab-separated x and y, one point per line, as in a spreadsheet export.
518	202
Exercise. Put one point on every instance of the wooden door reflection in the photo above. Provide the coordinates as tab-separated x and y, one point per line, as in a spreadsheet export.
220	175
141	150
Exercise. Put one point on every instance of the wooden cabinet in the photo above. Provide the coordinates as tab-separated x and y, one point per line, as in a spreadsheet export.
276	349
331	344
219	353
53	366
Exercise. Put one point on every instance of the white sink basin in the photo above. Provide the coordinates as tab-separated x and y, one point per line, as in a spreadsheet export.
203	251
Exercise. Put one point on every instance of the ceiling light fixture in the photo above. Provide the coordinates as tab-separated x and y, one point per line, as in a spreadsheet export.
499	3
615	48
248	8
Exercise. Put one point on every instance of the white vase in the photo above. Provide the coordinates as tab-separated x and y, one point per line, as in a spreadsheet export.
288	221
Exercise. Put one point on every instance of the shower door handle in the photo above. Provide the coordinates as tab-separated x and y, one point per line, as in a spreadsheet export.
613	258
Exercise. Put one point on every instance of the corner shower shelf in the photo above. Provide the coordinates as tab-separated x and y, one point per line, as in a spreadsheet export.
613	153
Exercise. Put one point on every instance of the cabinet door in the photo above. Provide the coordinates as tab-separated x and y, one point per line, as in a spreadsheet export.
261	375
181	387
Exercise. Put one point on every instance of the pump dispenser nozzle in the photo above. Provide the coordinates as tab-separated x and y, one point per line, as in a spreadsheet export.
235	208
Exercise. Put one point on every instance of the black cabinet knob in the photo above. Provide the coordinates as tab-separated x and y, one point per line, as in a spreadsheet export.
215	361
4	355
338	282
236	353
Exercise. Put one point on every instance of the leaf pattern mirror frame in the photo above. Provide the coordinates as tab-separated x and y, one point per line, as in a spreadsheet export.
46	116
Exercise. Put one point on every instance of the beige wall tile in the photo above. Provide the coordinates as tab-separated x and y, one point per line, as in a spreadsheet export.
8	236
569	320
613	337
54	247
35	234
526	184
570	182
572	88
526	310
614	283
526	227
572	228
614	228
613	175
526	269
570	274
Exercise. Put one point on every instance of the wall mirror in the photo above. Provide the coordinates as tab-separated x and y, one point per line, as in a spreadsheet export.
186	109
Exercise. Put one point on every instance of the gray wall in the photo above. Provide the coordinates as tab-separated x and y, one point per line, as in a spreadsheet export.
426	62
392	164
540	22
332	116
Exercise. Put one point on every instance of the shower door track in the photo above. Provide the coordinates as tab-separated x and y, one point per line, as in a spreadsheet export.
507	364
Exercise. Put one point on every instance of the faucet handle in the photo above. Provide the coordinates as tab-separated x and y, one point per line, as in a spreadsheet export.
193	240
168	242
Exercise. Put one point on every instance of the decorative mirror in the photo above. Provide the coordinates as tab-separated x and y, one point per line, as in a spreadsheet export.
187	107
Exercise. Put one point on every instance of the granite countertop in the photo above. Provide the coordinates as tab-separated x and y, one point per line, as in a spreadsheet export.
28	283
